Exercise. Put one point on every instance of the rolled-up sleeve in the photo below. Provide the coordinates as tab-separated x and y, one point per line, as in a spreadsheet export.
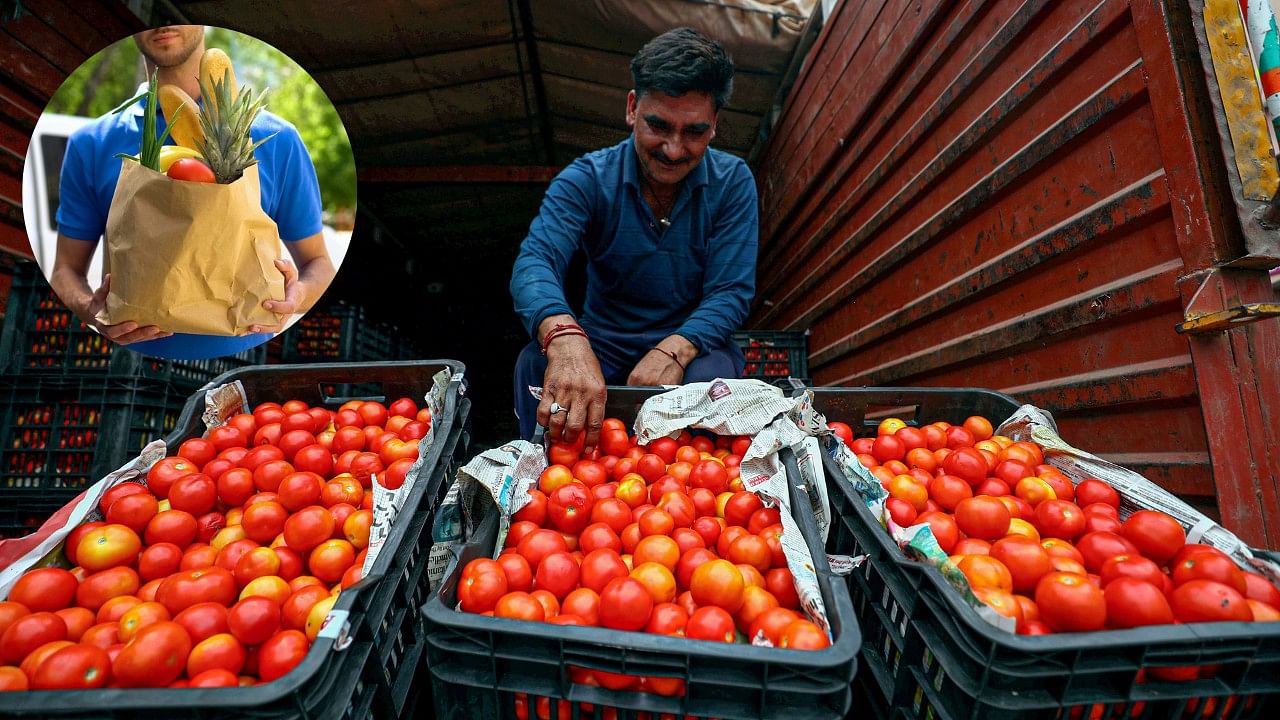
537	280
729	282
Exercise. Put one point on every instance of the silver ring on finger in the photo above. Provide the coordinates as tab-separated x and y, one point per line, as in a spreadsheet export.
557	407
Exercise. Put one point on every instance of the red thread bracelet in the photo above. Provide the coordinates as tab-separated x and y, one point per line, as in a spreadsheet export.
561	330
671	354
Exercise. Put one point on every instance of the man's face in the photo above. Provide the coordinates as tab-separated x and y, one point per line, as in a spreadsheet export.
671	133
171	45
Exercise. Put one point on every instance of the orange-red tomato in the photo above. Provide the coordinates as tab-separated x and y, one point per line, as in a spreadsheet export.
1070	603
803	635
281	653
719	583
155	657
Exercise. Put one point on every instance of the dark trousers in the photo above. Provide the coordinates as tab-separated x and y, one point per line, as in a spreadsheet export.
531	365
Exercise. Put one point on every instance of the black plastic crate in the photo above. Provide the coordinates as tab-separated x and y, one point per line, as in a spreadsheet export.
479	664
363	675
42	336
771	355
927	654
58	435
340	332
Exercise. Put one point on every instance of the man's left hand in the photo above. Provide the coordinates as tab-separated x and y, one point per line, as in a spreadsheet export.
295	292
656	368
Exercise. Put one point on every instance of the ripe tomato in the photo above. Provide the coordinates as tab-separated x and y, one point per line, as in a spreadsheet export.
253	620
281	653
299	489
719	583
569	507
296	609
30	632
76	667
1092	490
601	566
782	585
1004	603
203	620
1259	588
1070	603
94	591
599	535
155	657
1156	535
342	489
106	547
803	635
982	517
1131	566
172	526
984	571
710	623
540	543
191	169
292	441
257	562
557	574
1098	547
842	431
666	619
772	623
165	472
625	604
115	608
756	600
78	620
195	493
709	474
520	606
655	548
967	464
657	579
1132	602
182	590
140	616
330	559
945	530
1059	519
44	589
1210	566
1026	560
263	521
1201	600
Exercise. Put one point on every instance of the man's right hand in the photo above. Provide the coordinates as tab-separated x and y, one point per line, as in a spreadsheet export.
573	381
123	333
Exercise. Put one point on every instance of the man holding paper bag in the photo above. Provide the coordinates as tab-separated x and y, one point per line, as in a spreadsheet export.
95	187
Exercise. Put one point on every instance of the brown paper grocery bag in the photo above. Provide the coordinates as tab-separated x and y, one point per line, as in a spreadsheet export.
190	257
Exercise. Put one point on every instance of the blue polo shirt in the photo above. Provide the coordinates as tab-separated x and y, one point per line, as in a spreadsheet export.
695	279
290	196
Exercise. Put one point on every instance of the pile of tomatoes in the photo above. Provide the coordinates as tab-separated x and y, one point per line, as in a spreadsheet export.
658	538
222	568
1052	556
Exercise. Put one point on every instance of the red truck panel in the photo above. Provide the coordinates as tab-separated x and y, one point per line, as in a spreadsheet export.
1024	195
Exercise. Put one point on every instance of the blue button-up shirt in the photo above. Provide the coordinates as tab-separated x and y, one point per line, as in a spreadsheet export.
695	279
90	170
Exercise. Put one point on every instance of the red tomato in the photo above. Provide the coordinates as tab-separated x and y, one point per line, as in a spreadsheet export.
1059	519
482	584
803	635
182	590
195	493
945	530
842	431
1156	535
403	407
599	535
159	561
557	574
1098	547
28	633
1026	559
94	591
569	507
711	623
44	589
1132	602
373	413
517	571
520	606
166	472
133	511
198	450
330	559
191	169
1259	588
172	526
263	521
983	517
1202	600
77	667
625	604
204	620
967	464
73	539
393	477
601	566
281	653
315	459
1131	566
1070	603
296	609
155	657
348	438
540	543
1091	491
299	489
253	620
1210	566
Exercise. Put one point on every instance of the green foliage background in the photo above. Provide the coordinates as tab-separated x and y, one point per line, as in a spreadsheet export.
113	75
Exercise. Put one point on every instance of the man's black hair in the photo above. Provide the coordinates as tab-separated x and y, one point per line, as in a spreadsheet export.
683	60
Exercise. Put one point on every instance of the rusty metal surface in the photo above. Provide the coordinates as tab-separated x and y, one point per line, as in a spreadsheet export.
1018	207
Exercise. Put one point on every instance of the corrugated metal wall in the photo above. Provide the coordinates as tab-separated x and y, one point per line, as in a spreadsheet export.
1006	194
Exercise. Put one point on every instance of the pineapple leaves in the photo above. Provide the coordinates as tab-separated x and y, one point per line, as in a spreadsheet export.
227	146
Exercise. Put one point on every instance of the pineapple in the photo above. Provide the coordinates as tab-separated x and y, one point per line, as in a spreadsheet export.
225	120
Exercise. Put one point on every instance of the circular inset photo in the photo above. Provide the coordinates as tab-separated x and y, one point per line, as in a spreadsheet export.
189	192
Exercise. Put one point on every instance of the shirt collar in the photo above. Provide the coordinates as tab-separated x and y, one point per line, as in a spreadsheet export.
697	177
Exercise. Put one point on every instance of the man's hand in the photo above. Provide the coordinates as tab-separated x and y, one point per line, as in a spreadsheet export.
658	367
574	383
295	292
124	333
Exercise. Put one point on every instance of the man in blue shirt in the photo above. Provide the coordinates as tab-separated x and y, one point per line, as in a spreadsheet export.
290	196
669	230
